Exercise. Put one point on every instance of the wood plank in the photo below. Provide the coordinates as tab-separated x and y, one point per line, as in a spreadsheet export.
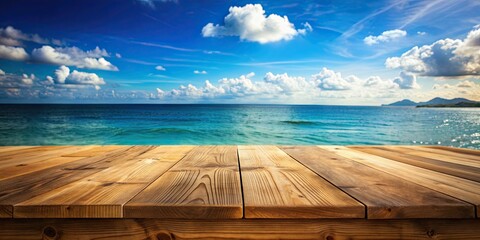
21	157
95	150
18	189
277	186
29	152
205	184
102	194
453	169
466	190
353	229
32	166
385	195
447	151
13	148
458	150
441	155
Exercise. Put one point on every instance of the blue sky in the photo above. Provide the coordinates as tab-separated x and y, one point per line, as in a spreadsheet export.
313	52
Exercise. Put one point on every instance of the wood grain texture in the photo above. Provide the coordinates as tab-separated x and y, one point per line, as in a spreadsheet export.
102	194
18	189
397	154
330	229
205	184
277	186
458	150
442	155
463	189
386	196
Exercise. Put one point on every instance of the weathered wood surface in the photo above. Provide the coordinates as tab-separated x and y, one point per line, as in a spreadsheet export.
205	184
277	186
162	229
385	195
226	182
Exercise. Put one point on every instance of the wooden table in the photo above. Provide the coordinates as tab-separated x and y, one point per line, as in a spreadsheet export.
249	192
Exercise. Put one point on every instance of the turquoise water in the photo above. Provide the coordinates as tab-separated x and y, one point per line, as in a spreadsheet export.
236	124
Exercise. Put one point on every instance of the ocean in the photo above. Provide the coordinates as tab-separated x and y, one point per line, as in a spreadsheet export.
45	124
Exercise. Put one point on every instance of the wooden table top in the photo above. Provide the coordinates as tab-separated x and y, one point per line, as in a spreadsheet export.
234	182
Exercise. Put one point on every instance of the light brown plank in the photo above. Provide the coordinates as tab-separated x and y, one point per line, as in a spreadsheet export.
441	155
466	190
386	196
277	186
399	155
13	148
29	152
102	194
95	150
32	166
164	229
458	150
205	184
18	189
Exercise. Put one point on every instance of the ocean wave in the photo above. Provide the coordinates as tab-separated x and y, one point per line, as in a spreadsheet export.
299	122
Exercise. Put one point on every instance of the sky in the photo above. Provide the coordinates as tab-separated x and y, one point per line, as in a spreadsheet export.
286	52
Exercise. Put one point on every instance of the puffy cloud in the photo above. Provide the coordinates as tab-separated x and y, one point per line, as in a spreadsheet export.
84	78
64	76
62	73
406	81
446	57
386	36
28	80
326	83
13	53
200	72
160	68
73	56
2	72
251	24
329	80
13	37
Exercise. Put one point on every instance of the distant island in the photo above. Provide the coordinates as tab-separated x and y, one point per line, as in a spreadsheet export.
436	102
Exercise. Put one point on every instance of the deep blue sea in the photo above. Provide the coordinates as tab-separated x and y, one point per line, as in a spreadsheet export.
237	124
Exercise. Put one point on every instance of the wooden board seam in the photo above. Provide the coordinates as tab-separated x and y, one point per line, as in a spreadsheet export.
151	182
365	206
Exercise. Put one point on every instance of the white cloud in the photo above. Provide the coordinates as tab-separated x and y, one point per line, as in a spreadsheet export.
329	80
73	56
406	81
2	72
251	24
28	79
13	37
62	73
118	55
13	53
200	72
422	33
446	57
386	36
160	68
282	87
64	76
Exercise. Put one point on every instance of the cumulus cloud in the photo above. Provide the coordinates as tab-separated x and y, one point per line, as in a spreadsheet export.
13	53
11	36
160	68
2	72
386	36
446	57
27	79
283	86
329	80
73	56
64	76
406	81
200	72
250	23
